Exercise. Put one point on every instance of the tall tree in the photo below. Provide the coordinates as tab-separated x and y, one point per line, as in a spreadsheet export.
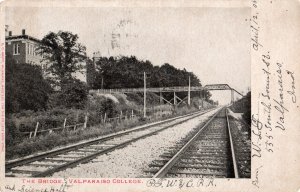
127	72
25	87
90	73
63	54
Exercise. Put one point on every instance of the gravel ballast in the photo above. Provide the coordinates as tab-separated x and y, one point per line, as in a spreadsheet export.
132	160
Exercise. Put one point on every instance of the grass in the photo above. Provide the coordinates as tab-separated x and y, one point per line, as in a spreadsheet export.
57	139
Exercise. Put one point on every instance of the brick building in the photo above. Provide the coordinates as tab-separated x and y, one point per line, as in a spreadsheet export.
23	48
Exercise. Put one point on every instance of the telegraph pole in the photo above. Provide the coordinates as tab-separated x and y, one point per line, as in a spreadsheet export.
232	96
144	94
189	92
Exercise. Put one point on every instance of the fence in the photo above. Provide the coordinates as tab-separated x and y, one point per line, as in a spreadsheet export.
83	125
64	127
103	119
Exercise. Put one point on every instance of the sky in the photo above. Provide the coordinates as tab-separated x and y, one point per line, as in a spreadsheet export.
213	43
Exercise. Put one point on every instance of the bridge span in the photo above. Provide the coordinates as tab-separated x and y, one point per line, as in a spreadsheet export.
209	87
176	100
154	90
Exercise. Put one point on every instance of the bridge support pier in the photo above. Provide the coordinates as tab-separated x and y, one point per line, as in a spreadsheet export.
160	98
175	101
232	96
180	100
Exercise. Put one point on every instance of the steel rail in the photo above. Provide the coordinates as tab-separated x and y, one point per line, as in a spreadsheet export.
92	156
235	167
164	170
30	159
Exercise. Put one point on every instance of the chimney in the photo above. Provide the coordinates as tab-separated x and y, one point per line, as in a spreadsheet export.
6	30
9	33
23	31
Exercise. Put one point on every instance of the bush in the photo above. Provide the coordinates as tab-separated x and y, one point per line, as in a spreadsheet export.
97	106
26	121
247	114
11	132
108	107
243	106
136	98
73	94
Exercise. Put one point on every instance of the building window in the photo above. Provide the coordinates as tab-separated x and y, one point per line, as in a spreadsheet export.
34	53
28	49
16	48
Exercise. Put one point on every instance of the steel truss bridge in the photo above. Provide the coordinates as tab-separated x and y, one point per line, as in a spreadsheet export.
175	100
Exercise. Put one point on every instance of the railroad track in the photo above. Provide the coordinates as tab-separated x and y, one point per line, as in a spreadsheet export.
209	152
47	163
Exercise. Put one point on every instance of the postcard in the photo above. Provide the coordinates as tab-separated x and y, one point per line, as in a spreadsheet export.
147	96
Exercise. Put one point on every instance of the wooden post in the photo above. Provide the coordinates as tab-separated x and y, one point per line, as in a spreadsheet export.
65	123
104	120
145	94
132	114
77	117
160	111
85	121
121	115
30	134
202	97
74	127
36	128
189	92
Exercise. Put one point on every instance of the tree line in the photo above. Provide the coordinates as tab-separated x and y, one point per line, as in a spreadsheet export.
28	88
127	72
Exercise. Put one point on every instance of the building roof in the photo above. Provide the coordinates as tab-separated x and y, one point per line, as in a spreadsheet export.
22	37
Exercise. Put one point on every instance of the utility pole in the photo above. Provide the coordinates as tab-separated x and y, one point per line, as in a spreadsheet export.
189	92
232	96
144	94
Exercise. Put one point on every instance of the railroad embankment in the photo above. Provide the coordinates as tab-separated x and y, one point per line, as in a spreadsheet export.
243	107
31	132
